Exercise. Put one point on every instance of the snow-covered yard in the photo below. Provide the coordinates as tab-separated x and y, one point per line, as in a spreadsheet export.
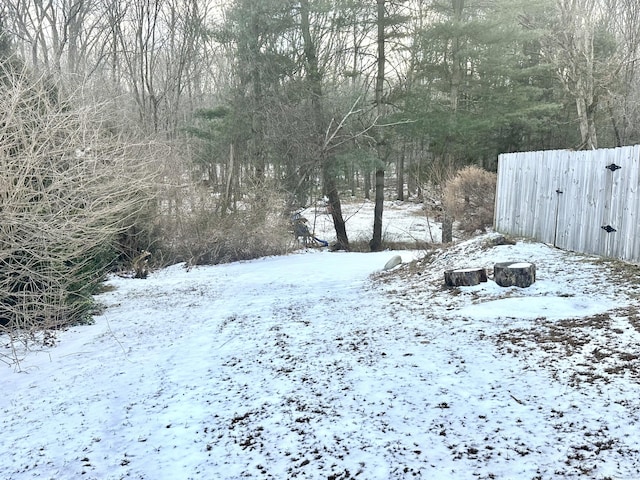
317	365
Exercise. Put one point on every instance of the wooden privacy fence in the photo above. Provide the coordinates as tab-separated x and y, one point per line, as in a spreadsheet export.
584	201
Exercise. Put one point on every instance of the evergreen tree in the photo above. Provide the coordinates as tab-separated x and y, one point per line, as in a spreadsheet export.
480	85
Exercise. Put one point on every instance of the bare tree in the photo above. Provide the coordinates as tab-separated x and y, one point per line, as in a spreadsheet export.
623	19
62	37
588	60
148	51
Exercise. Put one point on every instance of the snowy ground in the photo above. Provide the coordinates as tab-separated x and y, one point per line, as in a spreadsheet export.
402	222
308	366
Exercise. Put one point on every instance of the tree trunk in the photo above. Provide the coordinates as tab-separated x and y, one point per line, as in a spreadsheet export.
400	175
447	228
587	124
376	241
331	191
456	67
230	168
314	77
367	185
257	125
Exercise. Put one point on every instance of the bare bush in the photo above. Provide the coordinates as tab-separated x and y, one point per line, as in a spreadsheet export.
195	227
67	189
469	197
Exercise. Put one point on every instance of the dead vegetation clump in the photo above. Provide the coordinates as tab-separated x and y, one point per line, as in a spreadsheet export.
68	188
196	227
469	197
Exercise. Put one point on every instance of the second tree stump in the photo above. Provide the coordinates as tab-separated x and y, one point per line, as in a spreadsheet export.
519	274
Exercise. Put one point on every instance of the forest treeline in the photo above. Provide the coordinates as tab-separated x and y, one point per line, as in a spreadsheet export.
231	114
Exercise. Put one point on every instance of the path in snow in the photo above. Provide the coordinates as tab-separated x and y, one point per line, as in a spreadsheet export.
299	367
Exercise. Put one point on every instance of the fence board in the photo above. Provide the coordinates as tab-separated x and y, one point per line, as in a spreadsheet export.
565	198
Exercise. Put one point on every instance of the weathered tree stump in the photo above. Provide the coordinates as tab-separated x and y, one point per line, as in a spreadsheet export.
520	274
465	277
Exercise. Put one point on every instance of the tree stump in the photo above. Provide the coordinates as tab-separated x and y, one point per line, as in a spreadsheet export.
520	274
465	277
447	229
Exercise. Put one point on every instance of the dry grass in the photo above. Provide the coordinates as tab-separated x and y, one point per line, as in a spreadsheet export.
589	341
198	230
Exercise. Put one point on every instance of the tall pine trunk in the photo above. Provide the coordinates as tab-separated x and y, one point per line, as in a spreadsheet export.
376	242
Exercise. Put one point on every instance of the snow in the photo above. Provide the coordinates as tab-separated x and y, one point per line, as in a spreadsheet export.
320	365
520	265
402	221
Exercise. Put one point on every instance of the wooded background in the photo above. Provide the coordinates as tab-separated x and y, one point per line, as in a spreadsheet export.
263	88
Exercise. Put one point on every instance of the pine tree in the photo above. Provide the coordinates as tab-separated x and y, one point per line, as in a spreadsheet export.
480	85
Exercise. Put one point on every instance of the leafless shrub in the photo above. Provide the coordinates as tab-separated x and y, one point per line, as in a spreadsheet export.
67	189
469	197
197	229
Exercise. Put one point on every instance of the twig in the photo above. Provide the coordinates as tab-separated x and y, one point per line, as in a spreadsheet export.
126	356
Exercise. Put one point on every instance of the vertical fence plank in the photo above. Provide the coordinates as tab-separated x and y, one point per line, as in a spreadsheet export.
565	197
